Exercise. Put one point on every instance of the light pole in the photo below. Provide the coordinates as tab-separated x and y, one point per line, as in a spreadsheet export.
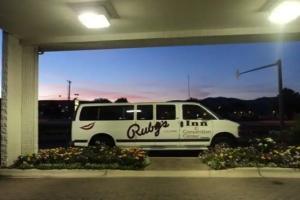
189	89
279	67
69	89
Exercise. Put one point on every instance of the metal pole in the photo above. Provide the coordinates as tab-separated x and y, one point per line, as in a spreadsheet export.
189	90
69	89
280	94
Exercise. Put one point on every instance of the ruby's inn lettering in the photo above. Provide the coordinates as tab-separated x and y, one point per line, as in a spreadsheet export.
188	123
135	128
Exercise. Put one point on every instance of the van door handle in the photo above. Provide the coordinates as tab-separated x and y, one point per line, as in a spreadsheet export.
181	124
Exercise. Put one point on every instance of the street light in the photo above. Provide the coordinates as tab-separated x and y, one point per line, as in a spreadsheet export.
279	67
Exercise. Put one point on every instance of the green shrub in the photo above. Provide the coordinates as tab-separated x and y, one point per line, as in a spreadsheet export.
100	157
295	131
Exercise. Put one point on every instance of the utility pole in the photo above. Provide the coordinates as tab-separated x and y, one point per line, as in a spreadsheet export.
69	89
189	89
280	95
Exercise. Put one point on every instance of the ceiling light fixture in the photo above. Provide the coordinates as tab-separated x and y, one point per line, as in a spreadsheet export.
285	12
93	20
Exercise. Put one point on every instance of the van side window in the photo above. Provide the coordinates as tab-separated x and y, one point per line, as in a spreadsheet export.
89	113
145	112
165	112
115	113
195	112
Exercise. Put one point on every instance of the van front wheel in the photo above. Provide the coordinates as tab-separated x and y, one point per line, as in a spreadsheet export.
102	140
223	141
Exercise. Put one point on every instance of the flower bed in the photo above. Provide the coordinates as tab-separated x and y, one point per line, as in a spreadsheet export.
261	153
100	157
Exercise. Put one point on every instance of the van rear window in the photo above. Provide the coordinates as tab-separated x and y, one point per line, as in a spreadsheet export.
106	113
89	113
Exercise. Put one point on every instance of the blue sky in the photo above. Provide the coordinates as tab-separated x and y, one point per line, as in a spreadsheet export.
160	73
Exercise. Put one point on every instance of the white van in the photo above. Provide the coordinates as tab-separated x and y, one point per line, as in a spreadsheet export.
176	125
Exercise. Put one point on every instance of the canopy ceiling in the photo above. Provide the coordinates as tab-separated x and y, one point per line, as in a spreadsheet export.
53	24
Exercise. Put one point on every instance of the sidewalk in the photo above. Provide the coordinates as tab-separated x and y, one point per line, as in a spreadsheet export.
229	173
167	167
176	163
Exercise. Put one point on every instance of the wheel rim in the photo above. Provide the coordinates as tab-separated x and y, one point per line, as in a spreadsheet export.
223	145
100	143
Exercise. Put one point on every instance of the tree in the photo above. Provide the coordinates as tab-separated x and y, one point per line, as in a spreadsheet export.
121	100
192	99
102	100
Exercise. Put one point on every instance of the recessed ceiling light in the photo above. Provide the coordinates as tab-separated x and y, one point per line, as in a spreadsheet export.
93	20
285	12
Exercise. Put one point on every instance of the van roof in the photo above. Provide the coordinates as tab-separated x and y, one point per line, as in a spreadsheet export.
173	102
146	103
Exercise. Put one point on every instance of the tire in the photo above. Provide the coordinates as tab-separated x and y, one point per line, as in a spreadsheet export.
223	141
102	140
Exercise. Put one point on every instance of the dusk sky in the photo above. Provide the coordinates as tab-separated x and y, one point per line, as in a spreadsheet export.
160	73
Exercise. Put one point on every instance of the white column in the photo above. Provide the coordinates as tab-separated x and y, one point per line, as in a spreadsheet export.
29	104
19	112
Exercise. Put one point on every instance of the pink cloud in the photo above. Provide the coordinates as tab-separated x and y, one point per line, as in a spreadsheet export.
56	91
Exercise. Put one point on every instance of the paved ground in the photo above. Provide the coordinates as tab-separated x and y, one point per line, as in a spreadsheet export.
150	188
174	153
176	163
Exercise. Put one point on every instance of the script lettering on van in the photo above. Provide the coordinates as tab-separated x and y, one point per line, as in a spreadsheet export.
135	129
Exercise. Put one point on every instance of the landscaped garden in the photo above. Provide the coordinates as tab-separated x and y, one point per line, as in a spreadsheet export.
97	157
281	150
263	152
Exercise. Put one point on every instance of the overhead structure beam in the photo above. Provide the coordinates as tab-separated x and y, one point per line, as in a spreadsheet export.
133	40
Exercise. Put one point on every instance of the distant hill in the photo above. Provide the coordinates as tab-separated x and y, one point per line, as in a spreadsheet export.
257	109
227	107
238	109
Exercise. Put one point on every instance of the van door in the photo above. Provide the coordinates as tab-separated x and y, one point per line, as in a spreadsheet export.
196	126
142	131
115	119
167	131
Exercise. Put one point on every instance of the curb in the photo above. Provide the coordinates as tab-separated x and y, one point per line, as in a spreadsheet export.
228	173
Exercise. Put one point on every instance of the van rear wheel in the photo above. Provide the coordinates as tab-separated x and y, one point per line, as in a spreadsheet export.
102	140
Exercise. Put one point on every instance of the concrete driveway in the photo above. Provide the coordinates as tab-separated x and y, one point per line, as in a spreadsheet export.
175	160
149	188
176	163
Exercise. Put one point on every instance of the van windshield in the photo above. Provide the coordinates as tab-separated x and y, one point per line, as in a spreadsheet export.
215	114
210	111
